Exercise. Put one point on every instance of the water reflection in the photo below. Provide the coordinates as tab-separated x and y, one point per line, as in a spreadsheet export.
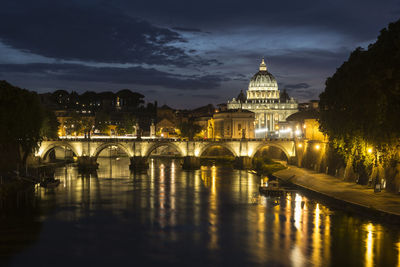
369	246
213	216
209	176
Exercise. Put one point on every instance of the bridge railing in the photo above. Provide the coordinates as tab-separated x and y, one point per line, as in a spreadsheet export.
118	138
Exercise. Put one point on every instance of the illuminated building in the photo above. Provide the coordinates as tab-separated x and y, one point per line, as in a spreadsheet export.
236	124
265	100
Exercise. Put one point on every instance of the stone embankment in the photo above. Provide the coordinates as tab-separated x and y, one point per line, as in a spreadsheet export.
347	193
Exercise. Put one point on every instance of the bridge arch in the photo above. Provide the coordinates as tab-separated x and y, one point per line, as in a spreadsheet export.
161	144
208	146
261	146
105	145
62	145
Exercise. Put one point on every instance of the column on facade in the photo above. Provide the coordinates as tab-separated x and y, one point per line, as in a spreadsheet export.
271	121
265	120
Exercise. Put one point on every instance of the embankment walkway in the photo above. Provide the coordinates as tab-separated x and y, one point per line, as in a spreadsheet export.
337	189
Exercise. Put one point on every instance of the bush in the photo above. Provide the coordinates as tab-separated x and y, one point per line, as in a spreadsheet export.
266	166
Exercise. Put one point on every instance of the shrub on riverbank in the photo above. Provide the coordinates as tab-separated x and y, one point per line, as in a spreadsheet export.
266	166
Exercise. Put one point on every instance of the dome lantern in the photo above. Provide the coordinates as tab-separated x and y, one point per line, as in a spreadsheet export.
263	66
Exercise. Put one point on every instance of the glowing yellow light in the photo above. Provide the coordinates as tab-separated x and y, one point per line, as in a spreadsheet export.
369	150
369	246
300	145
317	147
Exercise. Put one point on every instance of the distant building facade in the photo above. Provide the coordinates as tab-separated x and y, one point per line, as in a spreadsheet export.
266	101
234	123
305	124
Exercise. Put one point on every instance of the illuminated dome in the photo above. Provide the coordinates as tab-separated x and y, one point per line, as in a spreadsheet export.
263	80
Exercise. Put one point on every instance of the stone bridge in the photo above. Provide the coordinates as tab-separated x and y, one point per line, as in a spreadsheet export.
140	150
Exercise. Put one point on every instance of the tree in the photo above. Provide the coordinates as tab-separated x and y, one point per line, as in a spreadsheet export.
87	125
127	125
363	96
360	106
74	124
50	125
189	129
21	121
130	99
101	121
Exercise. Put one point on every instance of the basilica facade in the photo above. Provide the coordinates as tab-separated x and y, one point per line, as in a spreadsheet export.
264	99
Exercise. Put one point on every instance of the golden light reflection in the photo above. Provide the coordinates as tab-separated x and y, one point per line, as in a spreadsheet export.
327	239
161	196
276	226
213	205
197	200
250	187
300	222
261	228
297	257
288	221
369	246
213	211
173	200
316	238
213	177
297	212
398	254
172	194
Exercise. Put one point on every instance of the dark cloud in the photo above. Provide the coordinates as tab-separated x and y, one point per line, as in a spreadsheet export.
183	29
133	75
358	19
208	96
310	58
65	30
297	86
304	94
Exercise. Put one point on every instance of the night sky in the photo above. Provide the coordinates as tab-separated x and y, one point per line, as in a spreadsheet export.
183	53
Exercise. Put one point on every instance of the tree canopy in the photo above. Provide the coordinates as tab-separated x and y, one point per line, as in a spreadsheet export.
363	97
21	121
127	125
360	106
189	129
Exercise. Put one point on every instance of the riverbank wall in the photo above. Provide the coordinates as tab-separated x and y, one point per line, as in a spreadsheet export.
346	195
320	157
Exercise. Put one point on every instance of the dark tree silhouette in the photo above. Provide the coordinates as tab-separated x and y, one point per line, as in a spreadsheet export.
360	106
21	121
189	129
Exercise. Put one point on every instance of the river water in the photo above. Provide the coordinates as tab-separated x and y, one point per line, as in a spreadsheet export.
210	217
